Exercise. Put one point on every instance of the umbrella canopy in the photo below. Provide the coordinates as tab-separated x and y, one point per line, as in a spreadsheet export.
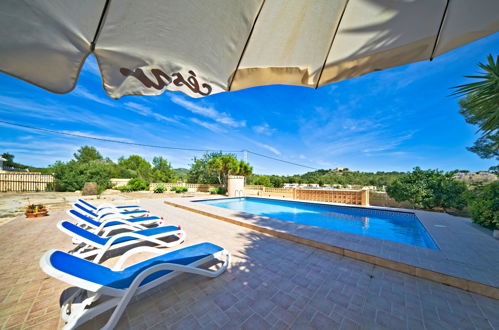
203	47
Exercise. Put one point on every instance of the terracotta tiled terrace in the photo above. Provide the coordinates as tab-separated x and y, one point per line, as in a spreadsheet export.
272	284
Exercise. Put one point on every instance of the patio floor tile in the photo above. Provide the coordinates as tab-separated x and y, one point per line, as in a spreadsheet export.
272	283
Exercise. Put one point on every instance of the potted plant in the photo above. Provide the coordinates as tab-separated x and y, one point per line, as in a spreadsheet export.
36	210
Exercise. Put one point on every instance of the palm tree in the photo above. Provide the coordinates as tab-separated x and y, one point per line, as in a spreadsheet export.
480	106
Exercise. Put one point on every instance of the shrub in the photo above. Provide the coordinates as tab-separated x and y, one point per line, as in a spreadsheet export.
179	190
71	176
138	184
125	188
159	189
483	204
218	191
428	189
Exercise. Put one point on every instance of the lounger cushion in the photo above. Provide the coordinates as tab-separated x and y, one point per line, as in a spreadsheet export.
84	233
127	212
95	215
111	223
99	274
103	240
118	207
81	207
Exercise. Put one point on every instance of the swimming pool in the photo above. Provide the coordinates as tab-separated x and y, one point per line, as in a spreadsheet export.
402	227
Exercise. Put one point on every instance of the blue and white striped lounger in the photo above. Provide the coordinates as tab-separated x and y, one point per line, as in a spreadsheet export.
110	213
103	206
102	289
107	226
94	245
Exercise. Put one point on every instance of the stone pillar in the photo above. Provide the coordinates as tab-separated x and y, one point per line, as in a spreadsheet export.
235	186
364	197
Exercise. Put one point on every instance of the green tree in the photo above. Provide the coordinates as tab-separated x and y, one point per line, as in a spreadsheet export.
87	154
263	180
215	168
9	159
181	174
134	167
222	166
480	106
244	168
162	170
199	171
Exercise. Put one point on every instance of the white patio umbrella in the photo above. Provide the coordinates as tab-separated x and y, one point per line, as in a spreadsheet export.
202	47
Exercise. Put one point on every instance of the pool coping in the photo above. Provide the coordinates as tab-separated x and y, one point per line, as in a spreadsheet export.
443	266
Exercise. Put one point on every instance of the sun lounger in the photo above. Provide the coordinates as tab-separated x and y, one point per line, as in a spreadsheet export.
108	226
92	245
103	206
102	289
110	213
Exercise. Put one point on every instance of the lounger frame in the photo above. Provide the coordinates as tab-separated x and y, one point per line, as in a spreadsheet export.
109	214
106	230
105	205
119	298
96	250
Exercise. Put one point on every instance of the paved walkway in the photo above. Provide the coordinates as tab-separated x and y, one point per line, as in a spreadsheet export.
273	283
466	257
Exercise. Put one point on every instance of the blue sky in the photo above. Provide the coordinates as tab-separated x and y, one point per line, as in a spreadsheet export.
390	120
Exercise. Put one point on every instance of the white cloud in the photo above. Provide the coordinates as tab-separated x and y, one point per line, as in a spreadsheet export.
264	129
389	145
209	112
96	136
85	93
212	127
49	112
147	112
270	148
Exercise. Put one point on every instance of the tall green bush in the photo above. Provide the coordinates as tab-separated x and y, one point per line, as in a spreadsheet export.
71	176
483	204
137	184
428	189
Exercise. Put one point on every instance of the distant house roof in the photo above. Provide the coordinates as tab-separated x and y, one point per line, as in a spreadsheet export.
2	159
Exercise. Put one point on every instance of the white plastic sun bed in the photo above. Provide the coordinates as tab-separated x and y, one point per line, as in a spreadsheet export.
102	289
110	225
109	213
92	245
104	206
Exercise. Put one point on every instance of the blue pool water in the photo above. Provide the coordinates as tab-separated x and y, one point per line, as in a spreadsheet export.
399	227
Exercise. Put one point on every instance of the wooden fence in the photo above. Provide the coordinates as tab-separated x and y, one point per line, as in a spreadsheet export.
353	197
23	181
